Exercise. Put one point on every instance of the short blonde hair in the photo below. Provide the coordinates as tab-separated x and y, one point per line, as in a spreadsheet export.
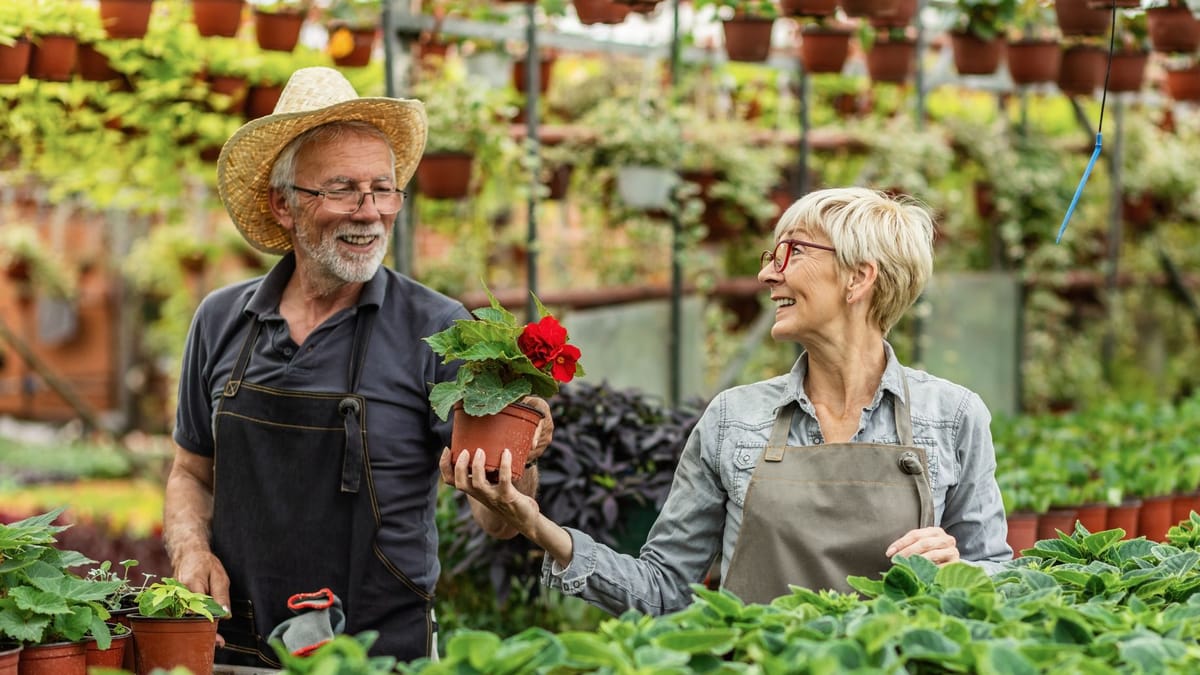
868	225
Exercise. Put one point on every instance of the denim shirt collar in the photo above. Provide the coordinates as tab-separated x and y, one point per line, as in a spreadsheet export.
264	303
892	381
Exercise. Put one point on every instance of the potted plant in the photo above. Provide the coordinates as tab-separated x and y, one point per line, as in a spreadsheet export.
825	45
217	18
352	25
1172	26
1132	52
126	18
746	25
14	41
639	143
502	363
25	259
174	626
891	52
42	603
57	28
1033	53
468	133
979	27
277	24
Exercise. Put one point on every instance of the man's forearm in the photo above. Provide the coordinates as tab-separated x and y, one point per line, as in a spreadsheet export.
187	516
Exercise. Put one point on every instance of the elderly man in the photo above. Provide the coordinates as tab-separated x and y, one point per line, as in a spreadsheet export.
308	455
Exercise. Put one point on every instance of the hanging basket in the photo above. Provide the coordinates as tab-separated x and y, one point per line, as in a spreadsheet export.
973	56
748	38
1074	18
824	49
645	187
54	59
868	8
512	428
1184	85
807	7
277	31
901	14
1033	61
125	19
217	18
261	100
1128	71
1172	29
891	60
14	61
1081	71
591	12
545	68
361	45
445	175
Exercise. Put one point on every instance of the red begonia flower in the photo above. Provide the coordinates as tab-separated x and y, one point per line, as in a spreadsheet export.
563	369
541	341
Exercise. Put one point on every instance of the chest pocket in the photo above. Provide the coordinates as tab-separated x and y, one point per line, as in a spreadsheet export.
745	458
931	456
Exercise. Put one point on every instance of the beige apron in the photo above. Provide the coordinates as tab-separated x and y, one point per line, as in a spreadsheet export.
816	514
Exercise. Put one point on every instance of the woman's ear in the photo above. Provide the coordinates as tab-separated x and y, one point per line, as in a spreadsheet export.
861	280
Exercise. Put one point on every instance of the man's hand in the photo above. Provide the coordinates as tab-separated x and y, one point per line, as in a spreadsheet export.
202	572
932	542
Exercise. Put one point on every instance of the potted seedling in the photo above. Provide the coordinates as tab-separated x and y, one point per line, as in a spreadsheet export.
502	363
174	626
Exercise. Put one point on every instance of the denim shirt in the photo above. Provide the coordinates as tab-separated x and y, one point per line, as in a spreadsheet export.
703	512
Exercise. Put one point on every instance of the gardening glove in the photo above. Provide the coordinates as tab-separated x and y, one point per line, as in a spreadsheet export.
318	618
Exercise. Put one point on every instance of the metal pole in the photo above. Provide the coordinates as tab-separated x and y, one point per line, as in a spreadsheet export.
1115	234
404	221
676	338
533	61
919	77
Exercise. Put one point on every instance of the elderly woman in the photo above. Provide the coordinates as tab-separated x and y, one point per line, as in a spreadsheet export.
823	472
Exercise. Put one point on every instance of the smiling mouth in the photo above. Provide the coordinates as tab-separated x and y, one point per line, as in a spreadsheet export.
359	239
780	303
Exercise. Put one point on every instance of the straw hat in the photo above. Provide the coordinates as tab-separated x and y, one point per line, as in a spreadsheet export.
312	97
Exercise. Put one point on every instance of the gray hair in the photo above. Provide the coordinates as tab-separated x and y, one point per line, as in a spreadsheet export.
868	225
283	173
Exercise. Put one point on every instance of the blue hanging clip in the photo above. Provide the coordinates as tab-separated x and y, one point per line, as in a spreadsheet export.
1079	190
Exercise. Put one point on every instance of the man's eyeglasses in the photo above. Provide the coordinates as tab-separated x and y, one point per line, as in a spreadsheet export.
346	202
783	252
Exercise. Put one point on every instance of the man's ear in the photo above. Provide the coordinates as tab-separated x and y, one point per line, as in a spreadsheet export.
277	200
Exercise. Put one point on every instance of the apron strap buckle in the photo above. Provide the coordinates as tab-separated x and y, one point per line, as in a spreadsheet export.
773	453
231	388
910	464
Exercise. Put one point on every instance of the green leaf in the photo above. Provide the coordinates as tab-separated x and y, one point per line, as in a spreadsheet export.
698	640
1001	659
963	575
473	646
660	659
487	395
900	582
1100	542
1069	631
443	396
592	651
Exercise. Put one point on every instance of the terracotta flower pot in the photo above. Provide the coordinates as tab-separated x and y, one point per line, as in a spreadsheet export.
1056	520
362	44
59	658
113	657
1183	505
1172	29
748	38
93	65
1076	18
261	100
125	18
824	50
512	428
1155	518
445	175
973	56
1081	71
10	656
807	7
277	31
901	14
592	12
1033	61
1022	531
217	17
14	61
520	78
1184	85
1128	71
167	643
891	61
54	59
1093	516
868	8
557	181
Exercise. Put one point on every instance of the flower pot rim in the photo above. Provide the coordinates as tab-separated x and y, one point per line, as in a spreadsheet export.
196	617
458	406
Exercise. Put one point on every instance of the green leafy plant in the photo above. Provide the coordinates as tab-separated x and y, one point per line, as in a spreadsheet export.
985	19
21	248
503	361
169	599
628	131
14	22
355	13
757	8
41	600
124	595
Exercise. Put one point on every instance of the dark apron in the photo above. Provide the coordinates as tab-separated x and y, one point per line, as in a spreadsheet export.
816	514
295	510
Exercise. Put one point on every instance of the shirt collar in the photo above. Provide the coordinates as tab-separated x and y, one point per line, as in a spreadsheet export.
892	381
265	301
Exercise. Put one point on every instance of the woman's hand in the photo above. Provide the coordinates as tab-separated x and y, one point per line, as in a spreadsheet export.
503	499
932	542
